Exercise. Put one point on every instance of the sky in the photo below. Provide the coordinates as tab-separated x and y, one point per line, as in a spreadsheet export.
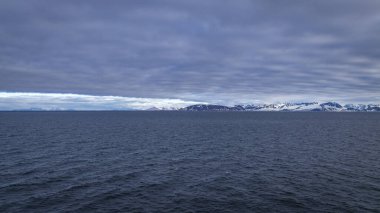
142	53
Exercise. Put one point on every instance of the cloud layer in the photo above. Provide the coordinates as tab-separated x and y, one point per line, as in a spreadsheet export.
57	101
216	51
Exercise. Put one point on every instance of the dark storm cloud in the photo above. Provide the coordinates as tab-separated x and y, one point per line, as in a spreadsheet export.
214	51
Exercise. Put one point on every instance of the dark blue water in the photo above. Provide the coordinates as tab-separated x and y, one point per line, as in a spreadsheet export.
189	162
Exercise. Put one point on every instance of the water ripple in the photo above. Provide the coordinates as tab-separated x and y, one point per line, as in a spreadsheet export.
189	162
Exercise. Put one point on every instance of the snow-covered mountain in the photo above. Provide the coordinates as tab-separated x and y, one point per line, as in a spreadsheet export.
311	106
163	109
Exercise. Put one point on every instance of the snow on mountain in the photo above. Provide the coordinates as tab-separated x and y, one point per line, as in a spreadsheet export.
205	107
308	106
163	109
363	107
283	107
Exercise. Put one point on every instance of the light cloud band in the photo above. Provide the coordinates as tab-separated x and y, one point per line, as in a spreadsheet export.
61	101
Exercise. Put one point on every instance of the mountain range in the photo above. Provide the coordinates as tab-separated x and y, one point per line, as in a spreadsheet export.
291	107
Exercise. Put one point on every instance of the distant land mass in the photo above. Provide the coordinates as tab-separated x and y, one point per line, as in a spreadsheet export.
284	107
290	107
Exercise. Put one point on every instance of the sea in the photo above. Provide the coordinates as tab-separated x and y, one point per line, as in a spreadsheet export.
136	161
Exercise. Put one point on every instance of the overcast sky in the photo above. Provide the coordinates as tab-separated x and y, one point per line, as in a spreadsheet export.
210	51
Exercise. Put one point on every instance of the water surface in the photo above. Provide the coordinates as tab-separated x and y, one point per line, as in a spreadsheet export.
189	162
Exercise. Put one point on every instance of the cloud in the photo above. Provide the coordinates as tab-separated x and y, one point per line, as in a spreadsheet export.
57	101
219	52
